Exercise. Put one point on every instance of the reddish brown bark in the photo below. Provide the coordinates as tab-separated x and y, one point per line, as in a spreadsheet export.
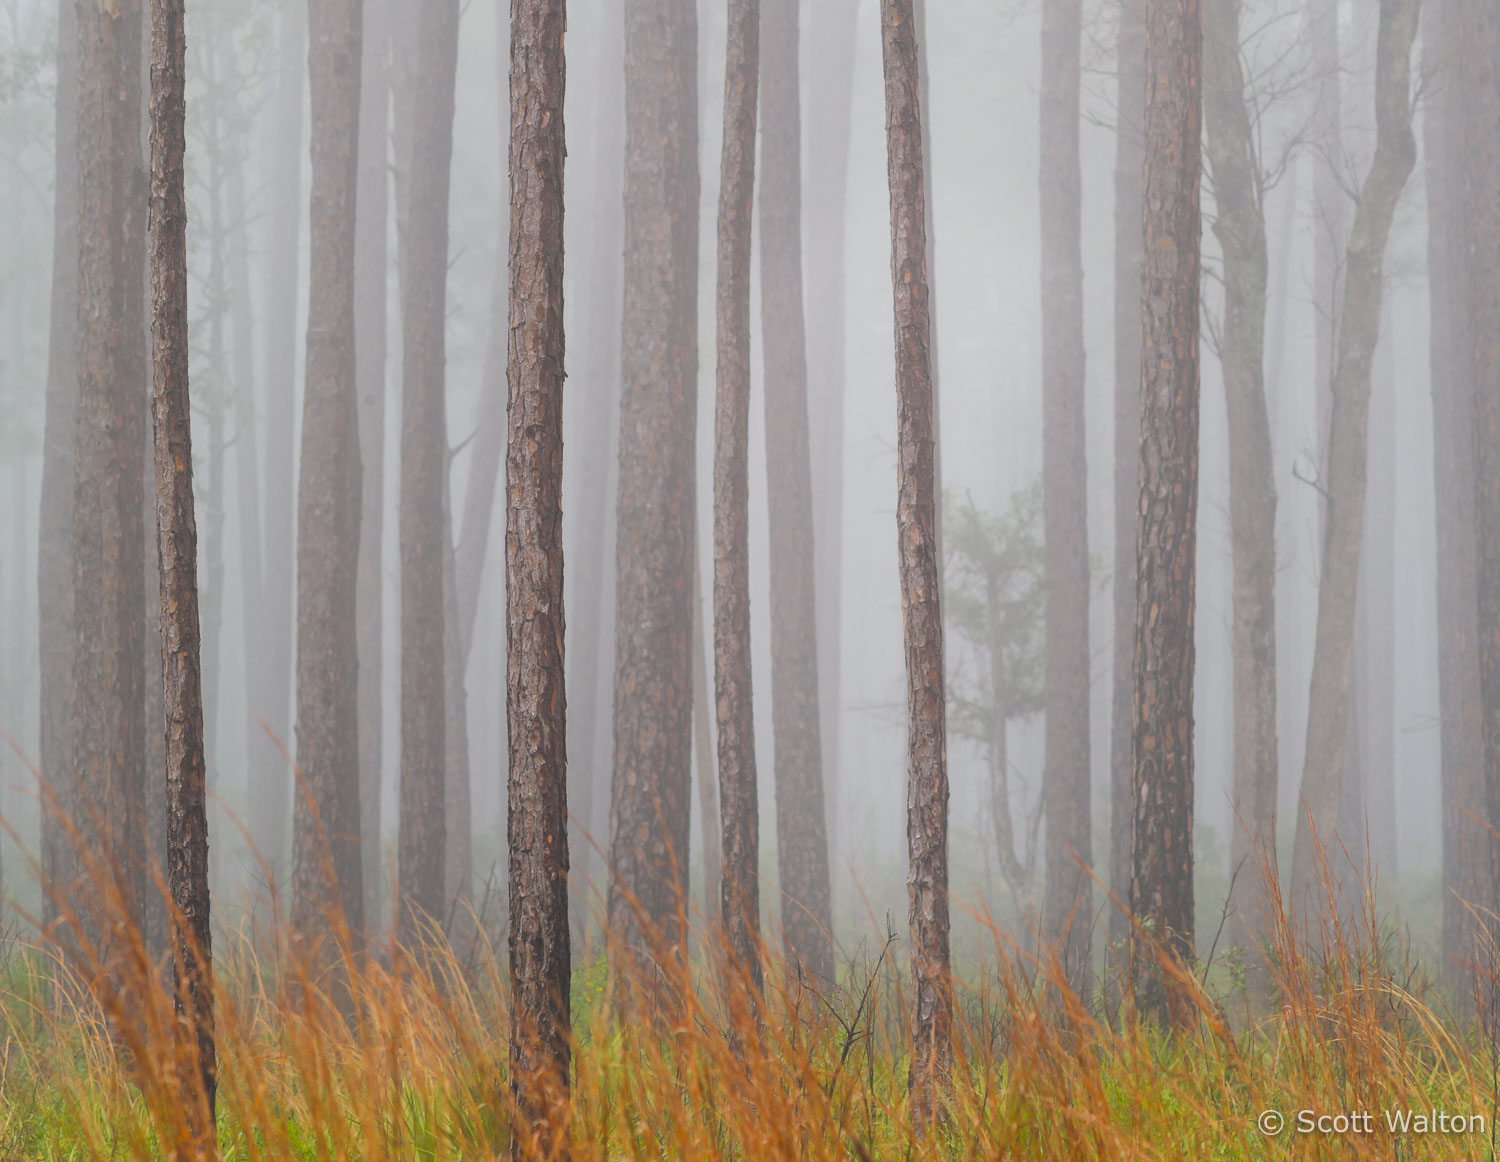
916	528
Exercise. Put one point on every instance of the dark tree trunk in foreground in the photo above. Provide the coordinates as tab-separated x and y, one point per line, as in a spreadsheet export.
55	550
1161	882
109	743
534	670
1479	76
1233	156
326	857
1466	843
653	699
916	527
424	465
370	263
1067	913
801	824
1130	106
740	903
271	643
177	549
1344	485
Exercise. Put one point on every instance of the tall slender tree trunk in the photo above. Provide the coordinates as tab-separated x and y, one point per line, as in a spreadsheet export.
801	822
831	29
1161	882
1067	908
1328	703
370	268
703	758
109	743
732	682
424	467
535	673
55	548
916	527
1130	107
1466	881
1379	589
653	699
326	856
1240	226
177	549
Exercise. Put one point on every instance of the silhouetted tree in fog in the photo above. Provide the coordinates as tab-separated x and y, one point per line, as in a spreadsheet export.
1067	910
1344	484
740	902
177	548
424	467
534	672
326	856
1161	882
653	699
916	530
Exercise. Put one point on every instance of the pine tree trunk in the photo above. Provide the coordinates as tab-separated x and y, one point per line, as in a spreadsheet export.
1240	227
1067	911
653	700
1328	703
1130	107
326	856
421	858
916	527
740	899
535	672
704	766
801	821
1161	882
177	548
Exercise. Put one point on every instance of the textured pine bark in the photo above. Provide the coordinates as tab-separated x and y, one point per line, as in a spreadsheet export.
653	700
370	265
801	821
1067	910
740	890
1240	227
535	673
55	542
327	892
916	528
177	549
1130	108
1344	487
109	739
1465	840
1161	883
424	465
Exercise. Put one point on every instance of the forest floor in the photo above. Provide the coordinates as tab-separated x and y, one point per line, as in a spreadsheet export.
410	1062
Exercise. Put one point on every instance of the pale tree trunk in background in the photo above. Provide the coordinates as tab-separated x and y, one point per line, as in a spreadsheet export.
1161	882
831	29
370	266
653	701
458	839
704	765
1067	913
740	900
1240	226
271	778
109	568
1328	704
1130	103
916	527
801	821
180	673
326	856
421	855
1478	67
535	673
1378	586
1329	227
55	550
1466	843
